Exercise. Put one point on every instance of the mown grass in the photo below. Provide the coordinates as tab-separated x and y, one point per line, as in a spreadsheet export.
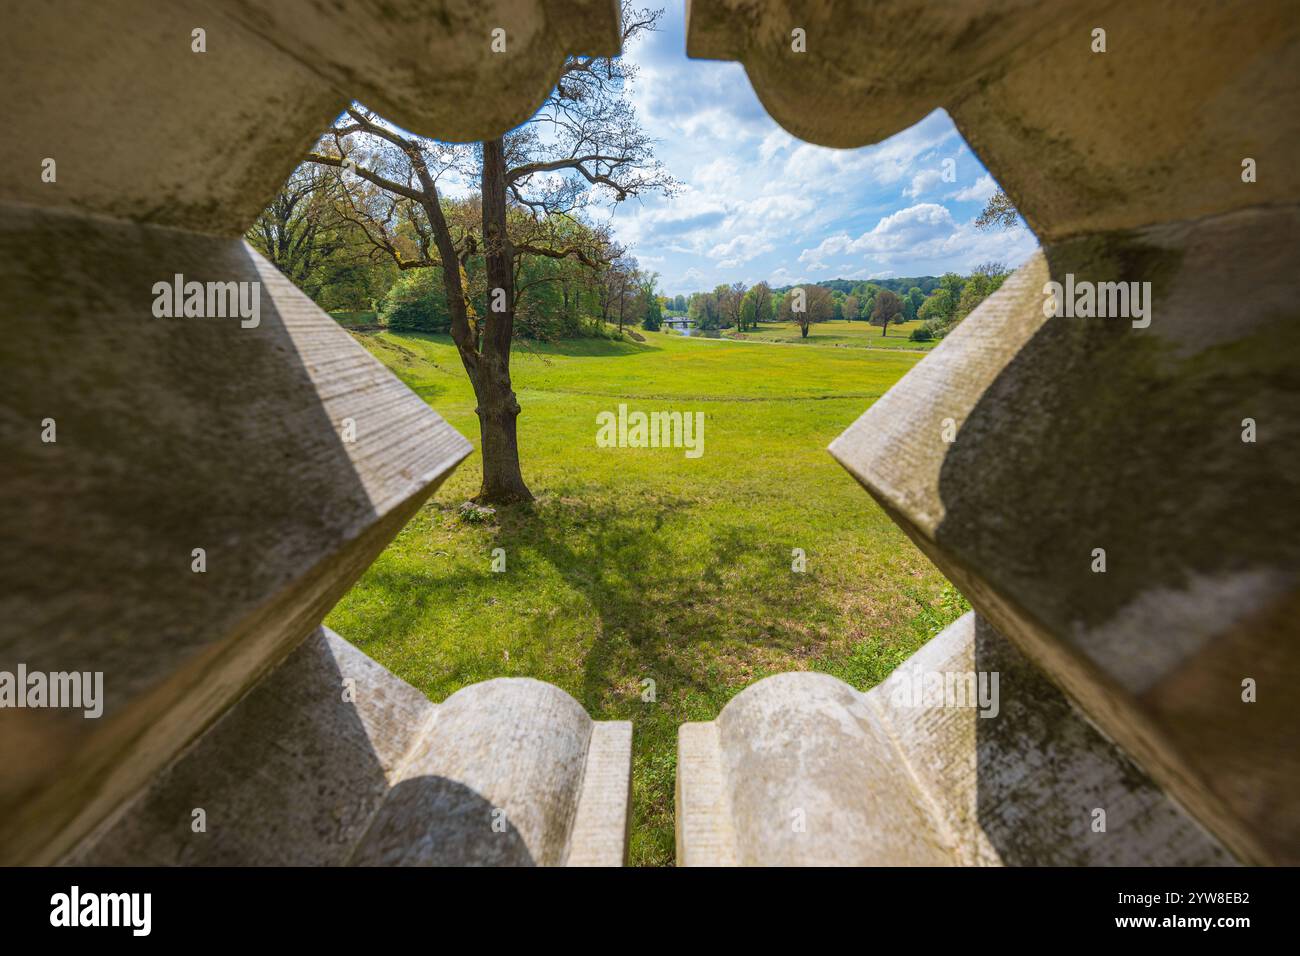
838	332
640	564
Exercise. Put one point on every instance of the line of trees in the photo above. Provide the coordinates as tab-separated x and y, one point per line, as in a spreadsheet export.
730	306
940	303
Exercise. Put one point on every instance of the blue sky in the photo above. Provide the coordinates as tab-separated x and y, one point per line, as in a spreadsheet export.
756	203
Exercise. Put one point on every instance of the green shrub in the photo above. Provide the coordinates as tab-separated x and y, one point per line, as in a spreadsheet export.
416	303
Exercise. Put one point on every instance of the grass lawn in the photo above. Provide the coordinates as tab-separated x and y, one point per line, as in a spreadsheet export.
838	332
642	564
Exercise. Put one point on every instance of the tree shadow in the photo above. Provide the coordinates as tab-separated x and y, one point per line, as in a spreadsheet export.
619	559
436	821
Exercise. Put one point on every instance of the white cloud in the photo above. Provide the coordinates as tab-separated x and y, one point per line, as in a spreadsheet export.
828	248
738	250
784	276
922	181
980	190
774	142
844	170
917	238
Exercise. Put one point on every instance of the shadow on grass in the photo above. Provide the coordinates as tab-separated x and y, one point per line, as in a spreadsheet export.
624	560
651	587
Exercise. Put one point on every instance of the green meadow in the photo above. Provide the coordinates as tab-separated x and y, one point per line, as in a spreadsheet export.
640	564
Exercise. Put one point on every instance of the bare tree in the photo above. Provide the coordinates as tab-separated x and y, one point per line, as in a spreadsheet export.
582	146
999	211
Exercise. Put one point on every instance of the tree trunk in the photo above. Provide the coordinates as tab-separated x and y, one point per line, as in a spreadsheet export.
884	329
498	409
803	331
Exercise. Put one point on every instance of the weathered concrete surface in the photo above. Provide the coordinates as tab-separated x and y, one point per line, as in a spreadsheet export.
812	776
1152	130
1021	787
801	769
435	70
292	775
508	772
173	434
1075	434
144	129
705	828
497	781
602	823
176	434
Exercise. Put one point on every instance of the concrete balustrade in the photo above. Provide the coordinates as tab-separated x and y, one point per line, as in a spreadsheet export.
1023	445
217	484
1013	452
174	435
331	760
995	768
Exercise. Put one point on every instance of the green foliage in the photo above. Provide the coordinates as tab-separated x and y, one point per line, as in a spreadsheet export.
937	330
899	286
653	313
352	286
749	310
938	308
472	513
958	297
952	284
417	302
705	310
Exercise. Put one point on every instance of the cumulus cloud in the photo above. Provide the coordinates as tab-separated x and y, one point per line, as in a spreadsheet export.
978	191
739	249
925	180
923	237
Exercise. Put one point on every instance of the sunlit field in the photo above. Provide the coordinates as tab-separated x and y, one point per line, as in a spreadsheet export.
641	564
